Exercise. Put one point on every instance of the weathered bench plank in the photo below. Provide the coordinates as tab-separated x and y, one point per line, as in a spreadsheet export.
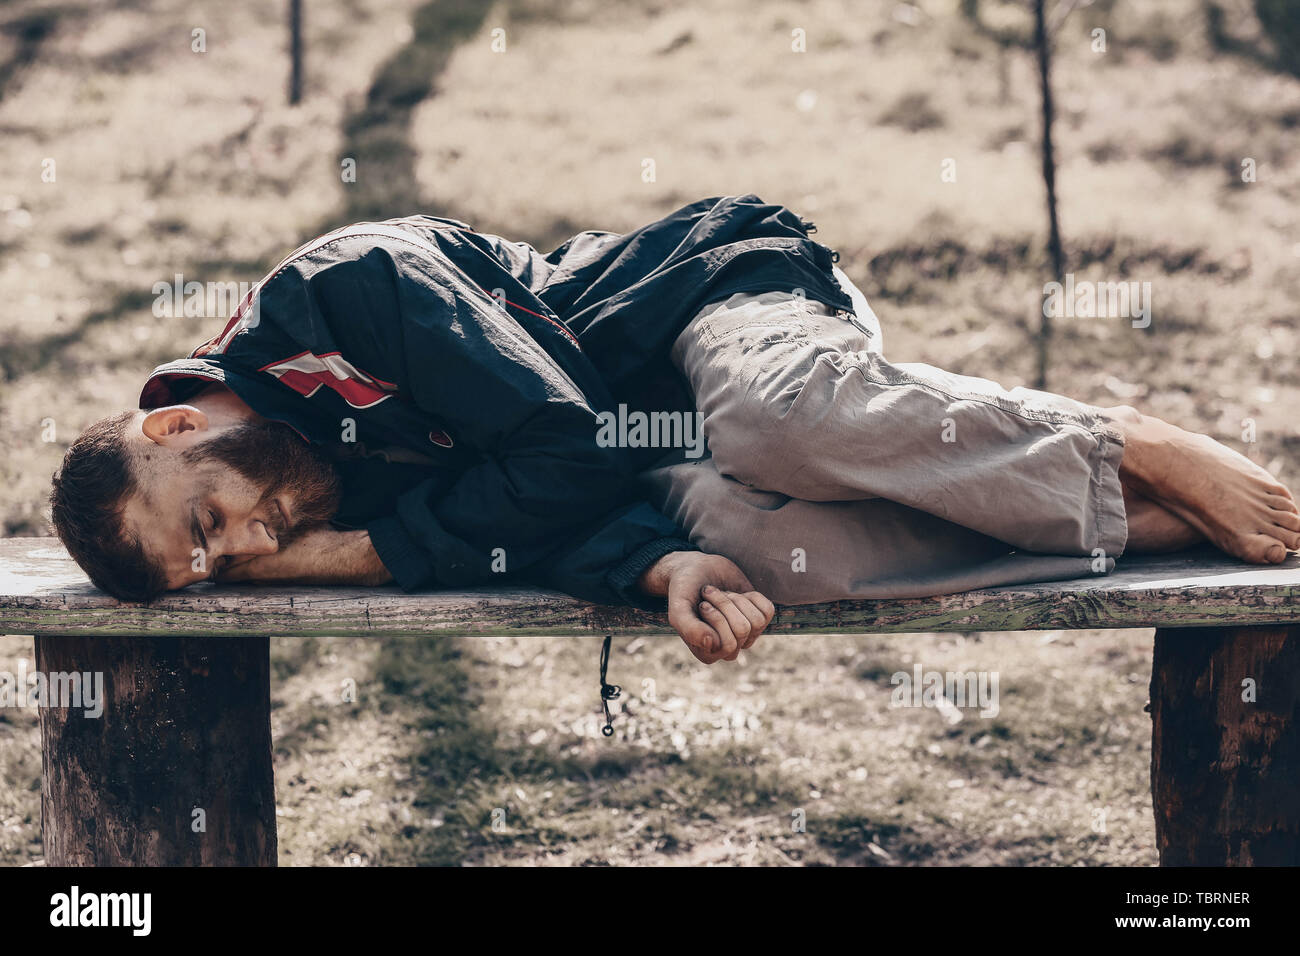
43	592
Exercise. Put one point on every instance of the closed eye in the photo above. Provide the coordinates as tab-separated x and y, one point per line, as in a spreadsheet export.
221	562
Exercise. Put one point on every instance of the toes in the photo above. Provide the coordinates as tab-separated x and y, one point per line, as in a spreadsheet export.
1281	503
1289	538
1276	553
1286	519
1261	549
1280	490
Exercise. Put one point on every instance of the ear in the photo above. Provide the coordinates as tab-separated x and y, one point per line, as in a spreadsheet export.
164	426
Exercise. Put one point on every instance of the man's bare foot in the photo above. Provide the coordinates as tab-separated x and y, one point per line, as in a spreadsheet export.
1236	504
1153	528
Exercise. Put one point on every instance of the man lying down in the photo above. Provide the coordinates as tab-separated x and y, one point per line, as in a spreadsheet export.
416	402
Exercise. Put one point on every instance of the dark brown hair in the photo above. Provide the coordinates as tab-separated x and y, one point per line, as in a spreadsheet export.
90	491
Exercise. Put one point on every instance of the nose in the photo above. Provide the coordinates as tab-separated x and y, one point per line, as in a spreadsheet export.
254	539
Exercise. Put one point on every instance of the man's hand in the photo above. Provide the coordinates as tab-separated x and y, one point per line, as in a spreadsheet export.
711	603
317	556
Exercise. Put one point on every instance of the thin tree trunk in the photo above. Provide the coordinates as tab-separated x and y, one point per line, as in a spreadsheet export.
1043	41
177	770
1225	748
295	51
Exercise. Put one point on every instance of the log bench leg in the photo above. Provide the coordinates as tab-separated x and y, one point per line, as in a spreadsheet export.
1225	752
177	770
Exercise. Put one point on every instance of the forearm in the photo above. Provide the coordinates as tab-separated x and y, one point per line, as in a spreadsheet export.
348	557
322	556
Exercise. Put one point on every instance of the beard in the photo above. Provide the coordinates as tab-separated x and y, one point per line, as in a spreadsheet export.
276	460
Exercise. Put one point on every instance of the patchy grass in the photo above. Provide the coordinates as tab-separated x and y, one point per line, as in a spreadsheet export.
489	751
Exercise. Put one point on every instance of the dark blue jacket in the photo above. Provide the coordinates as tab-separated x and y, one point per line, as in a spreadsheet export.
456	378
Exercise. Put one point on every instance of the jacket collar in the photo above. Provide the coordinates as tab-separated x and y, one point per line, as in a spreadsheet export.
176	381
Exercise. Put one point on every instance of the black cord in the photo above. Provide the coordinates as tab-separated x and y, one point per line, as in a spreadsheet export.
608	691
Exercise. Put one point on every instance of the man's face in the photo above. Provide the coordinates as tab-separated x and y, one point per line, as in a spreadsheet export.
213	496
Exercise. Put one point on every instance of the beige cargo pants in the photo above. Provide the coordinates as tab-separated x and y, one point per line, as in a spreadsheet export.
832	473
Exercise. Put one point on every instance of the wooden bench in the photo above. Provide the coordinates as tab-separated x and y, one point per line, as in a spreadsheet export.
187	719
